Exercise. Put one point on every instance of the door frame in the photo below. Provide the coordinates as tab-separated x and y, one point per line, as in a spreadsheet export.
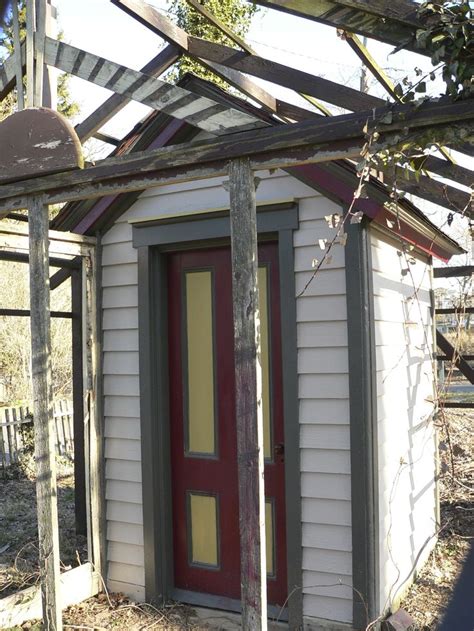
154	239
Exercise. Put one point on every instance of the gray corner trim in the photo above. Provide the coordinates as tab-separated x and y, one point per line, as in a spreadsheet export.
363	424
153	335
100	402
215	225
153	341
289	353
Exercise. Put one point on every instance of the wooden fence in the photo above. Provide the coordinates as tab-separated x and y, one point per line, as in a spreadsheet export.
16	431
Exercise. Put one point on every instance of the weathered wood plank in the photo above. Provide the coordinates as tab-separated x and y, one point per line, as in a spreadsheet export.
8	72
453	272
248	394
78	403
30	53
159	95
282	108
249	63
40	36
17	58
459	361
93	428
46	489
87	128
357	20
308	142
76	585
432	190
149	16
15	237
379	73
451	171
398	10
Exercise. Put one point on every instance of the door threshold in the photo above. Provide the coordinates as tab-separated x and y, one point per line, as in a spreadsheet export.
226	620
225	606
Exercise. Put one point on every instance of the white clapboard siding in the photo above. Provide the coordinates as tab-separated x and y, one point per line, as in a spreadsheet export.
323	387
120	532
405	379
325	411
321	308
321	335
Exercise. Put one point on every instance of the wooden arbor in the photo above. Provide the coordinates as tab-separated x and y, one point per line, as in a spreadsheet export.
241	143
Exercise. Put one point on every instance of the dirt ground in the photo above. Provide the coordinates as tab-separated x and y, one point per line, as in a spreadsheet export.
425	601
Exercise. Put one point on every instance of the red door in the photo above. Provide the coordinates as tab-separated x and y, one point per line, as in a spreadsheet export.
203	433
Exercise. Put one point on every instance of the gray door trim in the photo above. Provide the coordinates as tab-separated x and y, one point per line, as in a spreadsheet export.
153	242
363	424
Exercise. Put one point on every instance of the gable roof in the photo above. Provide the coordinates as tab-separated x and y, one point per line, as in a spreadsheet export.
336	180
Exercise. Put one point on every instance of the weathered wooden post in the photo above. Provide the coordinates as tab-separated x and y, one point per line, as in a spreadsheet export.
248	395
46	489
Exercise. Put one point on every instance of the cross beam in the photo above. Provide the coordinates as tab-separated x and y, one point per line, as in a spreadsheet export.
270	147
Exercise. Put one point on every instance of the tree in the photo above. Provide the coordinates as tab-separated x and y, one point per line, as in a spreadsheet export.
65	104
236	14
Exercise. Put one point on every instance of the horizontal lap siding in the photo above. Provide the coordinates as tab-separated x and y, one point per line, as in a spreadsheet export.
323	388
122	413
323	391
404	344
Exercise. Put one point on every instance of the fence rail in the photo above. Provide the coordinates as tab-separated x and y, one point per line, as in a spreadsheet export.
16	426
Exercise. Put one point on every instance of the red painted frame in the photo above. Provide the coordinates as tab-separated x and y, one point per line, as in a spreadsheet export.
219	475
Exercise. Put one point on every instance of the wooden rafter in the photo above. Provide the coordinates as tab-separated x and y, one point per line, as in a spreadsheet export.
171	99
432	190
423	186
176	36
107	110
446	169
358	17
248	63
379	73
212	19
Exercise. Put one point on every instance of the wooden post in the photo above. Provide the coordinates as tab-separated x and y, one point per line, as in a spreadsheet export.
40	37
46	491
78	403
30	53
18	63
92	425
248	395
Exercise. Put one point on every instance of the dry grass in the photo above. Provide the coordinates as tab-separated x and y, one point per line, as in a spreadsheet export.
18	526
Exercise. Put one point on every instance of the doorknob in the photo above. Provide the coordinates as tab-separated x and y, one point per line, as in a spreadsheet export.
279	451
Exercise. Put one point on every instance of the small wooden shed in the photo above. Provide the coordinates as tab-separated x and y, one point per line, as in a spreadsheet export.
348	387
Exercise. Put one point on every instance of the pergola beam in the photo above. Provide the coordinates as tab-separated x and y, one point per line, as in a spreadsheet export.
270	147
248	63
199	111
432	190
177	37
357	17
